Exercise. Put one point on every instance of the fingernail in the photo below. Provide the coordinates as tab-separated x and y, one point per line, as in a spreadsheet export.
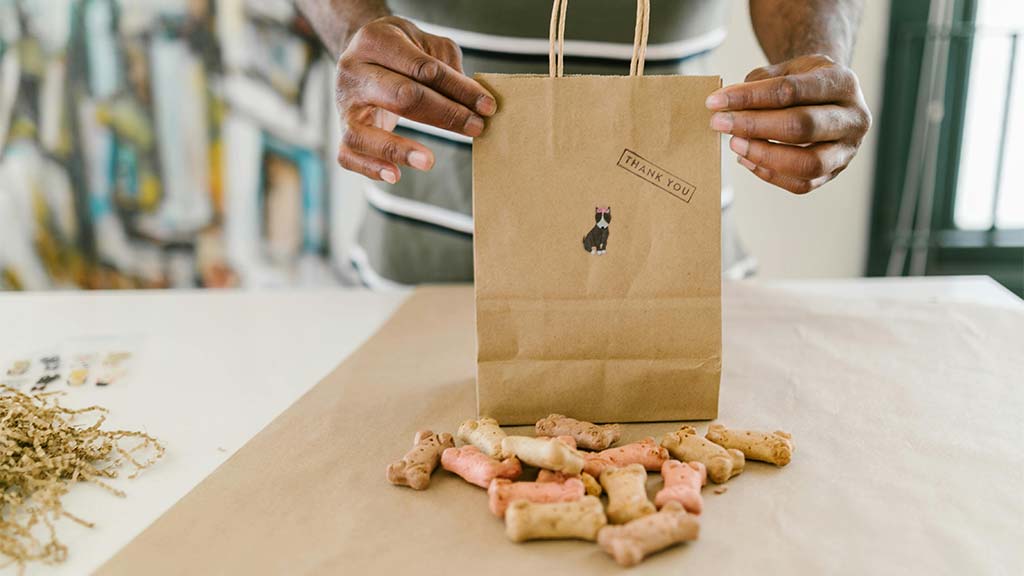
746	163
721	122
474	126
486	106
419	160
716	102
388	176
739	145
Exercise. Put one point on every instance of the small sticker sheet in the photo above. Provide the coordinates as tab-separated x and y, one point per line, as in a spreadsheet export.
89	362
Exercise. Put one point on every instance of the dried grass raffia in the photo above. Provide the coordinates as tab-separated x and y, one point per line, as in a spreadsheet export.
44	448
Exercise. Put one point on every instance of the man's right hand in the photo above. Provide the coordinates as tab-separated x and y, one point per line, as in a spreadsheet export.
391	68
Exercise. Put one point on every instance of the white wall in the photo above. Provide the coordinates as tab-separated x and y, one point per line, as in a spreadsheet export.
825	233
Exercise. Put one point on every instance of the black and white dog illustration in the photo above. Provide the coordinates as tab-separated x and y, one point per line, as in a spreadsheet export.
596	241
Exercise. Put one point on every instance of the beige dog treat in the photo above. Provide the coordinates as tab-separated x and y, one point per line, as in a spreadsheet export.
580	519
591	484
627	493
503	492
682	484
552	454
588	436
629	544
414	468
646	452
772	447
478	468
485	434
685	445
568	440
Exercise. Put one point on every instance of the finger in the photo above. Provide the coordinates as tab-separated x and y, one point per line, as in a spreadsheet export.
448	52
762	73
384	145
794	185
808	162
821	86
416	101
373	168
797	65
800	125
408	60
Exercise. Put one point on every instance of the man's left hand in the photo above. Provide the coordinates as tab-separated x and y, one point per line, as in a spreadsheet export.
796	124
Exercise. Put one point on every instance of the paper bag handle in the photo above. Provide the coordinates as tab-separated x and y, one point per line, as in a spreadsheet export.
556	38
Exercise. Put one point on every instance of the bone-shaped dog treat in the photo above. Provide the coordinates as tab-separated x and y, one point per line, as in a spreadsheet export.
414	468
503	492
627	493
646	452
485	434
580	519
772	447
478	468
685	445
567	440
629	544
591	484
682	484
551	454
588	436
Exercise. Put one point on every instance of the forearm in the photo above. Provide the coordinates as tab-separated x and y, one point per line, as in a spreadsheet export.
787	29
336	21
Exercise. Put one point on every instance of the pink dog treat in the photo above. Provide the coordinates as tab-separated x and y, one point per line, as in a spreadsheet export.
503	492
478	468
646	452
591	484
682	484
589	436
414	469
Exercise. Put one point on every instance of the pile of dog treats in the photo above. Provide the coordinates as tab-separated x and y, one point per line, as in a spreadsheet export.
577	464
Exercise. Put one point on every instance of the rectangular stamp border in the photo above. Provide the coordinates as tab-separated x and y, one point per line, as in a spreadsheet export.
685	197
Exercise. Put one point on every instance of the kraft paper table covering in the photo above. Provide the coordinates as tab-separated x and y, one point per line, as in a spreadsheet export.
906	417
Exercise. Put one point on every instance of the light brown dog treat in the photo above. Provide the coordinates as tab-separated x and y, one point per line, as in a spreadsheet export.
580	519
591	484
631	543
503	492
588	436
627	493
646	452
772	447
682	484
485	434
567	440
687	446
551	454
478	468
414	468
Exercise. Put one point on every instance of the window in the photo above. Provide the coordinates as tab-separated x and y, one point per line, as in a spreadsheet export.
949	194
990	188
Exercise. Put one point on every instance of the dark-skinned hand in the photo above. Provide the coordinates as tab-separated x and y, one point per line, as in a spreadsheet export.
393	69
796	124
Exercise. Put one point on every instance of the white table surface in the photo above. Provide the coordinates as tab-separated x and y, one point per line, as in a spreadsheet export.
213	368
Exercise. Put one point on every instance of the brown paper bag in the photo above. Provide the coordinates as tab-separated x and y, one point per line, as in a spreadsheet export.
607	319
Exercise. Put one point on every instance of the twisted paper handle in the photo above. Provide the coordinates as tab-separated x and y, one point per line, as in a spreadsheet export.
556	37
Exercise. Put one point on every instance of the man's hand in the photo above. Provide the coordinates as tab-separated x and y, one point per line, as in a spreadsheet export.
796	124
391	68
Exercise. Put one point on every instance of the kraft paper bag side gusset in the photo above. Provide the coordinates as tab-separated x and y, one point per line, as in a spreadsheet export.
633	333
